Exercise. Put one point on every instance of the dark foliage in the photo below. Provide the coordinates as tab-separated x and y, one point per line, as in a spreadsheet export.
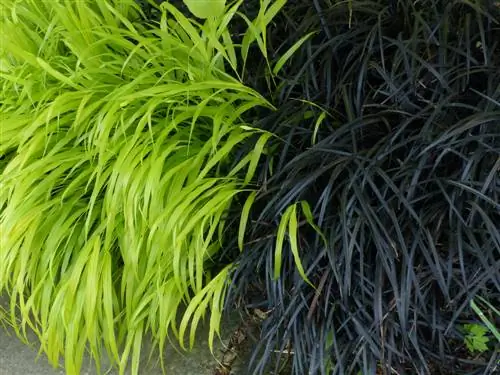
403	178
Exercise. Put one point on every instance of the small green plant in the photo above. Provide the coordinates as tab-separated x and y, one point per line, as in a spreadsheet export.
476	338
493	312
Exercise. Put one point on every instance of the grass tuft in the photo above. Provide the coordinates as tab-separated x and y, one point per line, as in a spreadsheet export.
120	154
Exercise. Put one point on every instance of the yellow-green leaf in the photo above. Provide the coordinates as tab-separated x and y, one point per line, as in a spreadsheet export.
280	238
288	54
244	218
292	234
306	209
206	8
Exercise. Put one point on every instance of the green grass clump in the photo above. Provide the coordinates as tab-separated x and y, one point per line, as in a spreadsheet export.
120	153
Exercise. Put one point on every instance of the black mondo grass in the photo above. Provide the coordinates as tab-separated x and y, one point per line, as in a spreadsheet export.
382	190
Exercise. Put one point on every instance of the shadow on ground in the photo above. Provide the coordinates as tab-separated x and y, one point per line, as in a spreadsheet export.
17	358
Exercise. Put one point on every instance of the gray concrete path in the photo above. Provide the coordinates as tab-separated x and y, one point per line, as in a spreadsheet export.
16	358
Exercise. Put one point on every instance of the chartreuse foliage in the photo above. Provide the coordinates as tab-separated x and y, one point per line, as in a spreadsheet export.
120	154
206	8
